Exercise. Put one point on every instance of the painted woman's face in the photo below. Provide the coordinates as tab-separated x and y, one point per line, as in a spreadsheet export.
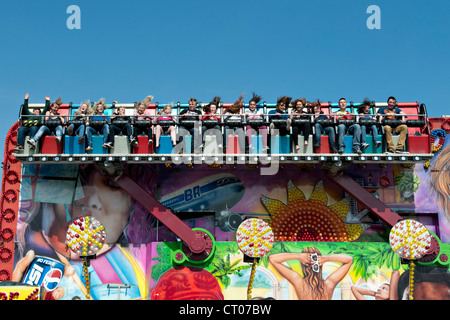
104	200
383	292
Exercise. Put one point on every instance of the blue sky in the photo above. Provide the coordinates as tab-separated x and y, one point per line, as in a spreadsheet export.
176	49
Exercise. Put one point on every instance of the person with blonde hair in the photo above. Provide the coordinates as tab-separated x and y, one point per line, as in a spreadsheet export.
165	115
80	119
312	285
142	123
98	123
440	177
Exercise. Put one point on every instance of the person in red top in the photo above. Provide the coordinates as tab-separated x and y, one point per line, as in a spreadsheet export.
165	115
354	128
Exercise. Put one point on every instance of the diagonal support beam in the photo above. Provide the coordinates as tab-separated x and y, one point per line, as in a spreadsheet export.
195	243
377	207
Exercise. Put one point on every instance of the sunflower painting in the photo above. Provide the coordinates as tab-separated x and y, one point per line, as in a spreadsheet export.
310	219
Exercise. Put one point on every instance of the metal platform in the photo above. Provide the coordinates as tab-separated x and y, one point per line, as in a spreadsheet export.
224	158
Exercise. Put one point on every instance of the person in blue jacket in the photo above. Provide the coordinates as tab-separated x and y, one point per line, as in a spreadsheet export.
102	127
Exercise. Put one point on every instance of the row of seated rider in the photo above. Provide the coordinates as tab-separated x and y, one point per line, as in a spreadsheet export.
301	119
86	122
340	122
121	124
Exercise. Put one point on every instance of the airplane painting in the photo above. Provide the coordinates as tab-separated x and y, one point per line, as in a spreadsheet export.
212	193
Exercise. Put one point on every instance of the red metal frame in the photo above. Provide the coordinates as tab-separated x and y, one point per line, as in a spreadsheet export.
9	203
377	207
197	244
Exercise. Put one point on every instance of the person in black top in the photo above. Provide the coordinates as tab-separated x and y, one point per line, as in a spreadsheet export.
120	123
53	124
280	115
301	122
30	121
189	120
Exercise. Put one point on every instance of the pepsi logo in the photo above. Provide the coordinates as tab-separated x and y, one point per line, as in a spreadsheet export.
51	279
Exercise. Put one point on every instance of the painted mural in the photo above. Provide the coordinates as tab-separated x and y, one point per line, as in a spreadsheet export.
346	271
308	213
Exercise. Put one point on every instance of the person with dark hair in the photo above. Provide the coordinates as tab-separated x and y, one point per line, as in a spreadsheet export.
280	113
233	121
211	121
53	123
30	121
353	128
364	114
392	112
430	283
301	122
320	128
189	120
255	122
386	291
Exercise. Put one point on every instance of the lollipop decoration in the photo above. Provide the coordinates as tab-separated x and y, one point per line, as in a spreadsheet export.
255	239
85	237
411	241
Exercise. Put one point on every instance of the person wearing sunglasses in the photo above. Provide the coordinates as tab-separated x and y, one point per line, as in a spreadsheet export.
312	285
